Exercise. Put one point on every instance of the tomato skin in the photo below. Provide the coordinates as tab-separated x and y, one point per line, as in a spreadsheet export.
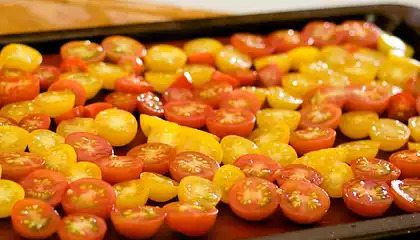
33	122
69	50
204	166
250	209
192	223
211	92
150	104
163	154
101	206
99	224
116	169
412	86
93	109
359	169
177	94
44	211
241	99
251	44
74	86
46	75
75	112
140	227
183	81
46	185
118	47
20	56
89	147
408	161
359	101
132	84
256	165
321	34
302	145
15	168
367	206
301	214
298	172
246	77
132	64
285	40
203	58
216	125
122	100
403	197
270	75
351	31
70	64
16	86
330	116
402	106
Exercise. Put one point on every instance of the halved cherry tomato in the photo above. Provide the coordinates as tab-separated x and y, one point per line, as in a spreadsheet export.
55	103
359	149
413	86
201	74
303	202
13	139
46	75
278	133
89	147
34	219
223	77
74	86
190	219
225	177
256	165
40	141
131	64
322	116
75	112
251	44
324	94
194	189
82	226
177	94
6	121
245	76
253	198
131	193
358	72
91	84
357	124
303	55
93	109
234	146
298	172
132	84
281	99
150	104
165	58
90	196
414	126
229	59
361	33
367	98
18	110
225	122
408	161
203	45
192	164
77	124
71	64
406	194
155	156
270	75
282	153
187	113
367	197
33	122
160	81
87	51
45	185
299	84
374	168
321	34
368	55
20	56
117	47
312	139
402	106
267	117
285	40
122	100
240	99
11	192
16	85
397	72
138	222
212	92
109	73
60	158
390	134
17	165
116	169
162	188
83	170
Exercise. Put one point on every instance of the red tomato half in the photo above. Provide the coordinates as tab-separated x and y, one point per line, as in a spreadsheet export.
82	227
223	77
177	94
73	86
5	121
46	75
256	165
93	109
321	34
303	202
155	156
361	33
374	168
190	219
33	122
139	222
132	84
116	169
70	64
253	198
366	197
240	99
201	58
322	116
251	44
16	86
270	75
45	185
89	147
17	165
34	219
298	172
183	81
406	194
284	40
367	98
211	92
402	106
408	161
75	112
192	164
132	64
225	122
312	139
245	76
150	104
321	95
122	100
89	196
413	86
187	113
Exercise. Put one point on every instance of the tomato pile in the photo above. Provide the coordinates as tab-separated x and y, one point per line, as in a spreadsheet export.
252	124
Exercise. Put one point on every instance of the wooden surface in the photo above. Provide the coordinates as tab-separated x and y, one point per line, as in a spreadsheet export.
19	16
